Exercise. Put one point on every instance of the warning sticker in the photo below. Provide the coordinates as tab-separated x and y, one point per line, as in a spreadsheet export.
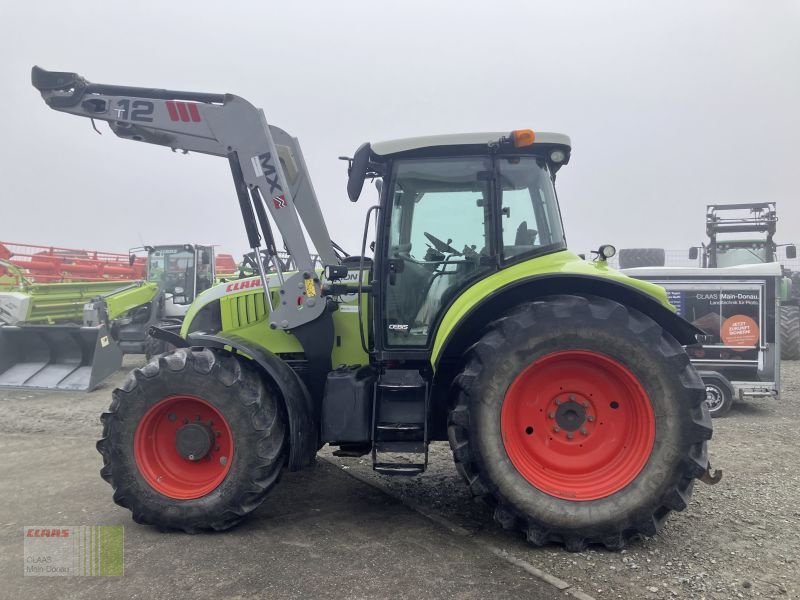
104	341
311	291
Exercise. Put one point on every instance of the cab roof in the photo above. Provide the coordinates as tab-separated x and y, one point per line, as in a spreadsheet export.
389	147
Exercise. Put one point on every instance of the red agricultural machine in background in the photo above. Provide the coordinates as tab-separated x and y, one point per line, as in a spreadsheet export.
50	264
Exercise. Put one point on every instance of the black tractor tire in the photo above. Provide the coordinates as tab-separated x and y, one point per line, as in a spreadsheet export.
719	397
550	327
630	258
790	332
251	413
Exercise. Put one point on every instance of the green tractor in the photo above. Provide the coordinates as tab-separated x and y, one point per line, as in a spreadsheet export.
562	386
727	247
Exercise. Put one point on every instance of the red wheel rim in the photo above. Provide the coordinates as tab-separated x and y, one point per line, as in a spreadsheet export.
577	425
163	466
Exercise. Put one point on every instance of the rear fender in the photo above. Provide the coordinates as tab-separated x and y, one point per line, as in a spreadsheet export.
302	416
503	299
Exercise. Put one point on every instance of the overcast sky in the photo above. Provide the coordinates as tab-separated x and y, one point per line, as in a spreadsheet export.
670	106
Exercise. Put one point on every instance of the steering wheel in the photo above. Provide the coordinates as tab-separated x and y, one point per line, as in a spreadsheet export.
440	245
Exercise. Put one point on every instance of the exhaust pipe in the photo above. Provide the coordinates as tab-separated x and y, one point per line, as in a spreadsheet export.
57	357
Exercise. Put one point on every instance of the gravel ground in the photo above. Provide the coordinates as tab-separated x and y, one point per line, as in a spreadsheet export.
738	539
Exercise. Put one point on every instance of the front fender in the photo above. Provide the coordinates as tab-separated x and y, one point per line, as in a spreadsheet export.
302	417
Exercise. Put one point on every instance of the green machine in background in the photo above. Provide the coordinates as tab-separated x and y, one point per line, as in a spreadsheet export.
73	335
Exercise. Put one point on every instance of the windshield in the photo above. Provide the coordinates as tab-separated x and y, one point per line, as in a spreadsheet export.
443	231
730	255
173	270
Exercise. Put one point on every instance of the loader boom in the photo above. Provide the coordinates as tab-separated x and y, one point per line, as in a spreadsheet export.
266	162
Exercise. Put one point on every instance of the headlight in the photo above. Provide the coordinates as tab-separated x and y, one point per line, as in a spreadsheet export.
607	251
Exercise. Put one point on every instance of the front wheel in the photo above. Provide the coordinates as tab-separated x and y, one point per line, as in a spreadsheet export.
581	421
194	440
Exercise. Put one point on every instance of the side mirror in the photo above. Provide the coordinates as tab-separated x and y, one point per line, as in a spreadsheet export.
204	258
693	253
131	259
791	251
358	171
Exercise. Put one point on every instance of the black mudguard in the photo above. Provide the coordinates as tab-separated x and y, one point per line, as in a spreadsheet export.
302	417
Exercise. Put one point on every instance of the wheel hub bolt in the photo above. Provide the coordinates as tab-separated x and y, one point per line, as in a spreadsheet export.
590	418
223	460
569	435
556	428
583	430
585	404
551	415
572	397
558	401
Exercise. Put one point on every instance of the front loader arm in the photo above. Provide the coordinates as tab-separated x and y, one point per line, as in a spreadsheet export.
267	165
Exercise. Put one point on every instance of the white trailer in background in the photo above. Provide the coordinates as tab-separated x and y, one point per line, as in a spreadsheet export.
736	307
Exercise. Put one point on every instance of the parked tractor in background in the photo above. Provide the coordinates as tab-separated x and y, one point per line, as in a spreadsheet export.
73	335
743	234
562	386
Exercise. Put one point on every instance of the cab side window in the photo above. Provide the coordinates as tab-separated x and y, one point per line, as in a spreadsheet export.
529	215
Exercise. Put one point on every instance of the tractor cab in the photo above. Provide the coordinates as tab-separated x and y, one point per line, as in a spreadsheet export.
181	270
457	208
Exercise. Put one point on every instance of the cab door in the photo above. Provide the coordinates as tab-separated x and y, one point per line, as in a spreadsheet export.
438	219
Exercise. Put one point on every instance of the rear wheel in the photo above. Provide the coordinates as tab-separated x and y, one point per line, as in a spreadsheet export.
581	421
790	332
194	440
